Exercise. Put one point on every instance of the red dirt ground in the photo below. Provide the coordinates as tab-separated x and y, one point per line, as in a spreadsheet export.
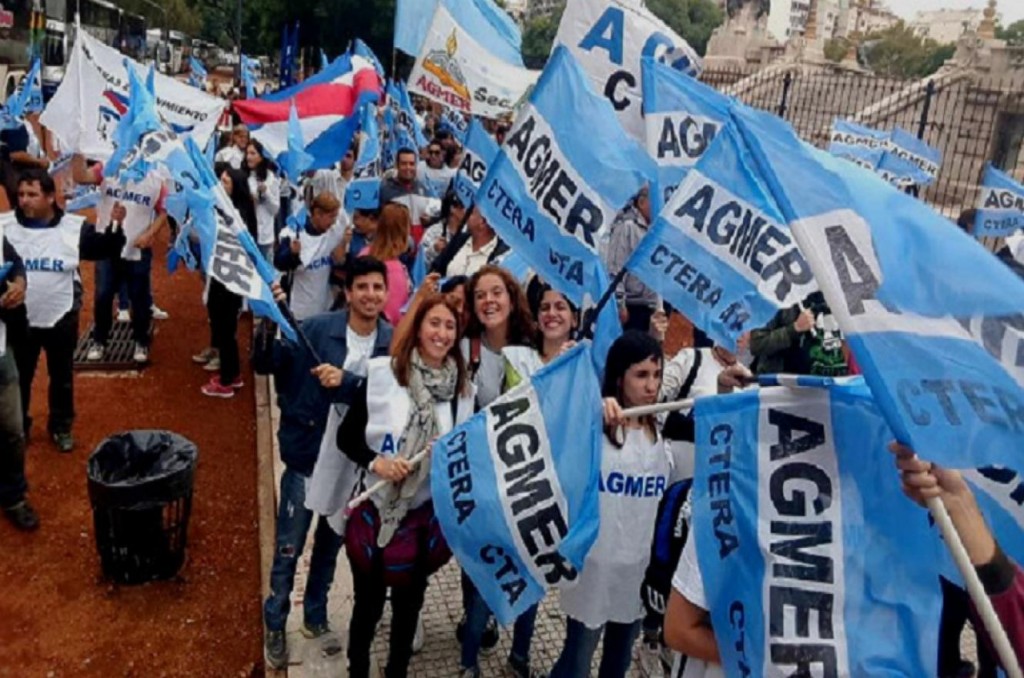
57	616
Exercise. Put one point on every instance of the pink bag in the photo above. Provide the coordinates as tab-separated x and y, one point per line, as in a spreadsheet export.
418	549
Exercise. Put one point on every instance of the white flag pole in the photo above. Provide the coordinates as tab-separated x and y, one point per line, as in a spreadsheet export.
658	408
977	592
380	484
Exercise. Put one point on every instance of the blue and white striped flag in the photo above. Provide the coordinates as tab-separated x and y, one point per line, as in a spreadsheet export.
681	117
129	161
197	75
368	162
483	19
813	562
1000	205
32	88
857	143
478	153
554	188
922	159
935	322
516	487
719	251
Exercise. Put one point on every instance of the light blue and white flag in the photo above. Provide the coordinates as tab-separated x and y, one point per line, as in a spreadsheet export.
553	190
456	123
362	194
405	131
129	159
516	487
935	322
720	252
520	269
1000	205
368	162
478	153
295	160
490	24
682	117
32	88
197	75
360	48
926	159
813	562
857	143
610	38
248	69
1000	495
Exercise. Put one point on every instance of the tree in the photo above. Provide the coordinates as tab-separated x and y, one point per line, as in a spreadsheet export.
538	36
898	52
1012	34
836	49
693	20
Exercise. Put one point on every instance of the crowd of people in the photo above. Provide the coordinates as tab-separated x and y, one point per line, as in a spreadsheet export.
387	365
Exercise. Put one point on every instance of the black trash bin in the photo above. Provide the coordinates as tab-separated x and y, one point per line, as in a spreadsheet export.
140	488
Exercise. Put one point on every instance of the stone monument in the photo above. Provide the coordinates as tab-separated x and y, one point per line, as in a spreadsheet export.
743	39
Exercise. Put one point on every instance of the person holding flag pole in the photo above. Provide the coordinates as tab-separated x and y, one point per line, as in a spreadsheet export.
409	399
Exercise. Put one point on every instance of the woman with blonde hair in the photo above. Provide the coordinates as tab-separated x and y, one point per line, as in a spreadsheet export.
389	244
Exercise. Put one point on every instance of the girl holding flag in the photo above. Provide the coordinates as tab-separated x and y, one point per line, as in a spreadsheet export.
606	599
500	318
408	400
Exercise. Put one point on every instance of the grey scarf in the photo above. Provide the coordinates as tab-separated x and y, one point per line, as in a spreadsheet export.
427	387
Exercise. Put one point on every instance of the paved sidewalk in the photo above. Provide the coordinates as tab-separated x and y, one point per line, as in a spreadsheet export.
441	612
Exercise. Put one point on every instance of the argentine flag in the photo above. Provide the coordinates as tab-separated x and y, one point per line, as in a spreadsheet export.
1000	205
935	321
477	155
682	117
516	487
813	562
720	251
554	188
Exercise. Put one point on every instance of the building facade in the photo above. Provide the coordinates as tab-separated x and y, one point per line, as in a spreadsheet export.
945	26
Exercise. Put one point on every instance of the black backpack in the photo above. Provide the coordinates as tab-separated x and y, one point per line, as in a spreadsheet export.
671	530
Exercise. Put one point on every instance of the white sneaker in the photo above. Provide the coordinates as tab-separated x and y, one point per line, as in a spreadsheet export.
649	660
95	352
418	638
141	354
123	316
159	313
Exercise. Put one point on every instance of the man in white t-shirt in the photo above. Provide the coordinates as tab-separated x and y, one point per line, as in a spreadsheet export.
145	216
433	172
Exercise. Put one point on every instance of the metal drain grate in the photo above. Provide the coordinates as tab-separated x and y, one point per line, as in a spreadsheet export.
120	349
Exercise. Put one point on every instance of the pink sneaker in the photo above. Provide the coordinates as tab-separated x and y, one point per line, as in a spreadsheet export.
237	383
215	389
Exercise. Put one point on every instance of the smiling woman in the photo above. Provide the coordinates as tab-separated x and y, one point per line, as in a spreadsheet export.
407	401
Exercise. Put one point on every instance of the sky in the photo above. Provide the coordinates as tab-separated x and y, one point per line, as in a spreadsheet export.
1010	10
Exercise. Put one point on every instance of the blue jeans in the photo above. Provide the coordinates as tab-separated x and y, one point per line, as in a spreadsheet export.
477	616
581	643
111	275
293	522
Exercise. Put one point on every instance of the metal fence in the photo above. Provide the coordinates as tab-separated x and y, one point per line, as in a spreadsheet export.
970	120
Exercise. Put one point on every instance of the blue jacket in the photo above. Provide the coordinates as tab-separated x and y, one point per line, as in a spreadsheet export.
303	402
